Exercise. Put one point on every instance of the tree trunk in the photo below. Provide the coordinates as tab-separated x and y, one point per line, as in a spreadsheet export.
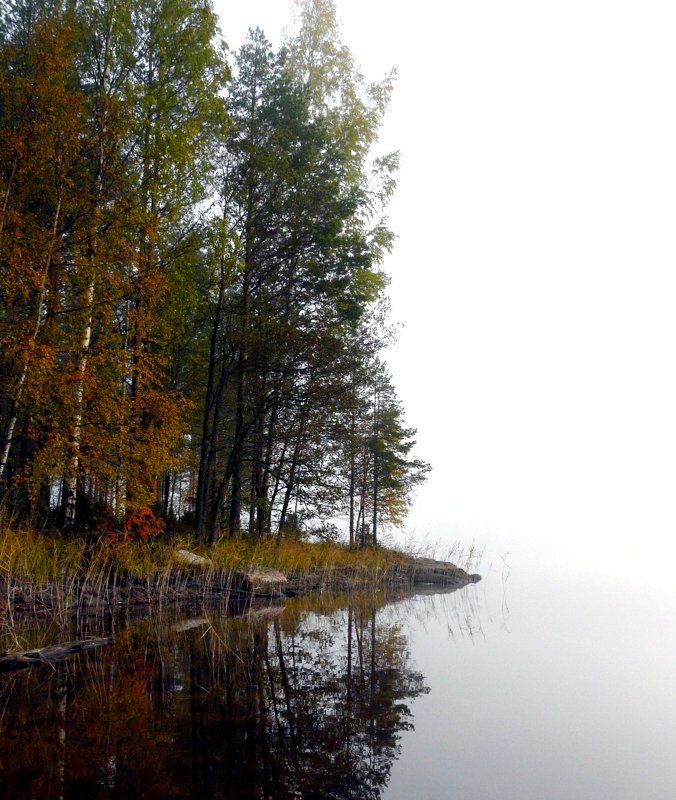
16	401
86	337
375	504
85	341
236	488
278	478
5	198
353	480
292	473
264	506
210	419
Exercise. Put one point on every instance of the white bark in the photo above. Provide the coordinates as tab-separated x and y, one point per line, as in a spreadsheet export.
18	394
71	478
6	197
86	338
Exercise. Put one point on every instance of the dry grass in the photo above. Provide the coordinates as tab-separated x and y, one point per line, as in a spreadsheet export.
463	556
27	554
47	573
292	555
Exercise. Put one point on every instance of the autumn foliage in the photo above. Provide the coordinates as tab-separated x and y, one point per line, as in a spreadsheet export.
141	524
85	401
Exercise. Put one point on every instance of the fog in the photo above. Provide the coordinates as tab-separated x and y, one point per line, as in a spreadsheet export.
533	272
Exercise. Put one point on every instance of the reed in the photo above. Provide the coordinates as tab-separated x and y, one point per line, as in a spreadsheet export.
43	573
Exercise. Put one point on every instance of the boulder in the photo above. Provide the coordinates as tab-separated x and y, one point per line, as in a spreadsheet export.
259	580
189	559
427	570
264	613
189	624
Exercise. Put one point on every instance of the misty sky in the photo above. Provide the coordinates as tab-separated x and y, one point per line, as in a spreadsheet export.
534	266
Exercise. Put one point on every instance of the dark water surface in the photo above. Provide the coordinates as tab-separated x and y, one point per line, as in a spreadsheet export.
532	686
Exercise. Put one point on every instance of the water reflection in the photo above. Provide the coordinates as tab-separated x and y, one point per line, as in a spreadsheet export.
284	703
465	614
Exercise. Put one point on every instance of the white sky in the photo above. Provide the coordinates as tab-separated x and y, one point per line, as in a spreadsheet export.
534	266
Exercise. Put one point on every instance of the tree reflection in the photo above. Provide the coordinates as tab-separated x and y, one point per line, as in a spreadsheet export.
305	705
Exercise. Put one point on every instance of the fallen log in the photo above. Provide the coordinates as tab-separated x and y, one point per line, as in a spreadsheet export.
50	654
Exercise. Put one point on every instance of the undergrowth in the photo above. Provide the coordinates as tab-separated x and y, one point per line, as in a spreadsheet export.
39	556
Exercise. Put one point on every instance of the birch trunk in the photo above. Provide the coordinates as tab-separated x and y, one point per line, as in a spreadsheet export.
5	199
88	304
85	341
16	402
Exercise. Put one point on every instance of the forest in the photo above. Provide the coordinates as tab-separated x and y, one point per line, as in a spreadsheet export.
193	309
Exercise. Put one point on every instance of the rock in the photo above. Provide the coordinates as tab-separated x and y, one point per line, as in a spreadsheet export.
259	580
263	614
192	559
427	570
189	624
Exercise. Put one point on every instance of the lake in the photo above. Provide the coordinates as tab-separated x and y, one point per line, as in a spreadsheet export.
531	684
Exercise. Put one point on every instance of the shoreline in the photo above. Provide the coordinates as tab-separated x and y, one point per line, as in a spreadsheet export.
201	584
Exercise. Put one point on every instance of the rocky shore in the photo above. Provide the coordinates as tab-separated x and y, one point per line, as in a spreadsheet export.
196	581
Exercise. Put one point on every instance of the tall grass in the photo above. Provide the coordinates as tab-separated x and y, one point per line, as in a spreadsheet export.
44	573
467	557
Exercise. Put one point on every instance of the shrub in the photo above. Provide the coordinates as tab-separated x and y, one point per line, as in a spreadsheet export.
138	526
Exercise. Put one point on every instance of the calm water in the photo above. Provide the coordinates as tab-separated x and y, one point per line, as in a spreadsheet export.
560	687
524	686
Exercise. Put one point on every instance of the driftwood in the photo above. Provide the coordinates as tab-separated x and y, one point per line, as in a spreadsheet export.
50	654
